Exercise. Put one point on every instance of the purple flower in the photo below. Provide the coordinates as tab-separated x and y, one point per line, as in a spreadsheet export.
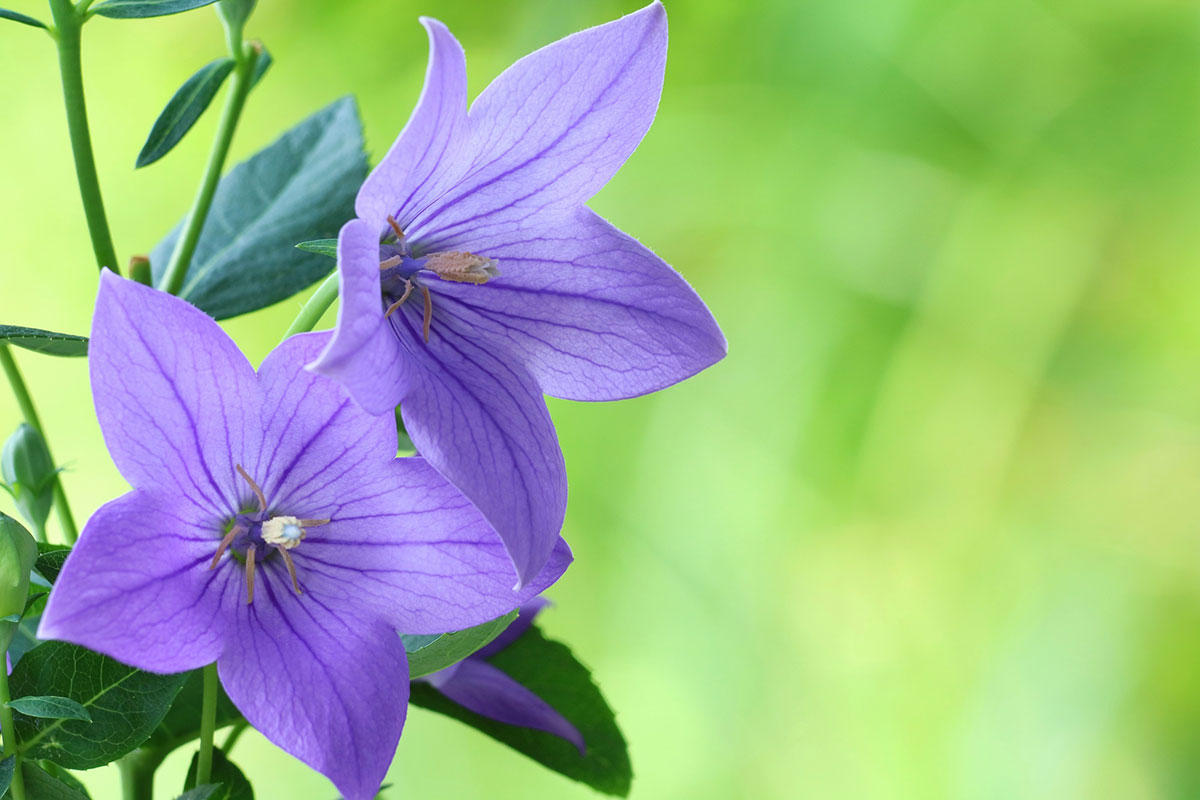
270	529
474	279
476	685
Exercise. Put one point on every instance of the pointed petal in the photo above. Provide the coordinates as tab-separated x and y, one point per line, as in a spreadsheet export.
478	686
411	547
592	313
363	354
137	587
325	683
479	418
525	618
319	443
553	129
176	399
430	153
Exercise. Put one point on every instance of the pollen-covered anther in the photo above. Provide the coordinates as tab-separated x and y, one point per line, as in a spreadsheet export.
462	267
285	532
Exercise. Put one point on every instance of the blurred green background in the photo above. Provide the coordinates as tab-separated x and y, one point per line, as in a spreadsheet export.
930	531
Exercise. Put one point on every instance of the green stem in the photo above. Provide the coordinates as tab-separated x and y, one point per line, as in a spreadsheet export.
10	738
208	723
235	733
185	247
65	520
316	306
137	774
68	22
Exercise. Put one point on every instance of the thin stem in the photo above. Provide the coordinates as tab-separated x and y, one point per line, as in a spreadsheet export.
208	722
65	520
10	738
185	247
67	26
235	733
137	774
316	306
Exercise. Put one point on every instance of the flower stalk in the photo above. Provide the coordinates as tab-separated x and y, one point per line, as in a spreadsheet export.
17	788
315	307
68	23
208	724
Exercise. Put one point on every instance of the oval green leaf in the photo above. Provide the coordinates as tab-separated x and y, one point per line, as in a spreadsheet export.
41	785
427	656
232	784
140	9
50	707
21	18
183	109
40	341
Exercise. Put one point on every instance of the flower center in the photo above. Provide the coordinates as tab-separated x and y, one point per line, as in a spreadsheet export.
285	532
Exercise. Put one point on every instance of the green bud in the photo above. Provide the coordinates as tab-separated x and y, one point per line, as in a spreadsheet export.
29	474
18	552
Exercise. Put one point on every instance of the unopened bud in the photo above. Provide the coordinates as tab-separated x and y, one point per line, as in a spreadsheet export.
139	270
29	472
18	552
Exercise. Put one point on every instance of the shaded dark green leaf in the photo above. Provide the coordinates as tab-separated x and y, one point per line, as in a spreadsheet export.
140	9
50	707
550	671
6	773
25	638
425	657
302	185
233	784
24	20
50	560
41	785
208	791
182	722
40	341
326	247
126	704
183	109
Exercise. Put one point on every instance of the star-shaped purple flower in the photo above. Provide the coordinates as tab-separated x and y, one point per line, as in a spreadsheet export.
474	279
270	529
476	685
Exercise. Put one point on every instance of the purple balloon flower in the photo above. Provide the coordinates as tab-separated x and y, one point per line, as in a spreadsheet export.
476	685
474	279
270	529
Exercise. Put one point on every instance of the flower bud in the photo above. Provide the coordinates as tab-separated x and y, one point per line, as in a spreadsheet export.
29	474
18	552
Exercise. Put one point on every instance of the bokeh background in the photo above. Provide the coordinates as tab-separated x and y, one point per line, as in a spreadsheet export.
930	531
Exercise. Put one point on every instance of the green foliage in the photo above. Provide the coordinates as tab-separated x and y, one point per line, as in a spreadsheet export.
206	792
15	17
302	184
182	722
550	671
140	9
41	785
261	64
233	14
50	707
40	341
427	655
125	704
231	783
183	109
326	247
50	559
28	473
6	773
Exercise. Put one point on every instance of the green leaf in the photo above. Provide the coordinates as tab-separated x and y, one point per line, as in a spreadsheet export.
140	9
50	560
183	109
41	785
326	247
40	341
208	791
182	722
50	707
126	704
233	784
425	656
550	671
302	185
261	65
6	773
15	17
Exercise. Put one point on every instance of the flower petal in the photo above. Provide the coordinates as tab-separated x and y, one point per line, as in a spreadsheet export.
363	354
411	547
592	313
176	399
553	128
479	418
324	682
529	612
137	587
319	444
430	153
478	686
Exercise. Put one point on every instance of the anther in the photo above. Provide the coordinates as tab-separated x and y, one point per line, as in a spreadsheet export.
408	287
312	523
428	312
395	226
250	573
224	545
291	566
388	263
262	501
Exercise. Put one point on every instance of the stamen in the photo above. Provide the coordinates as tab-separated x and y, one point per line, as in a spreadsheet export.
395	227
388	263
250	573
408	287
312	523
262	501
455	265
428	312
291	567
224	545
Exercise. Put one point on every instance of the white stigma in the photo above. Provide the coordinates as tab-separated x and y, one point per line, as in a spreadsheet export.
285	532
